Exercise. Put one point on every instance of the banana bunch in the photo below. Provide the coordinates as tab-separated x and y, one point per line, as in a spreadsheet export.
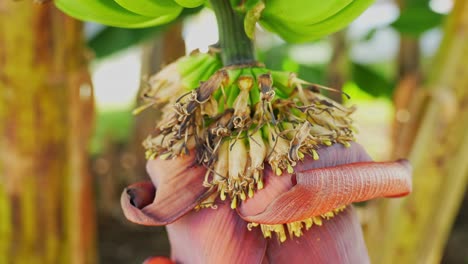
242	117
305	20
126	13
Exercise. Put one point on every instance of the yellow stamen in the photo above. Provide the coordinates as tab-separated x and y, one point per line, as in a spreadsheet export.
266	231
295	229
251	192
315	155
278	171
317	220
165	156
250	226
308	223
260	184
243	196
328	215
301	155
234	202
222	195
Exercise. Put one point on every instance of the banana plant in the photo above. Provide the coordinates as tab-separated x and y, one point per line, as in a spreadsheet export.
247	164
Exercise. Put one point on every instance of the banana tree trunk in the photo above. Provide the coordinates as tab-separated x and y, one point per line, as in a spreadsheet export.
337	69
406	98
415	229
46	110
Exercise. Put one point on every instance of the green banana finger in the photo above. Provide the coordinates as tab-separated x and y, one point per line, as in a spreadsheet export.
190	3
150	8
255	91
188	64
110	13
193	67
303	12
208	72
201	73
293	32
259	71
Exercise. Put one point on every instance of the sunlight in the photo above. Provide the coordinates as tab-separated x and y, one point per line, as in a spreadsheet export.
116	80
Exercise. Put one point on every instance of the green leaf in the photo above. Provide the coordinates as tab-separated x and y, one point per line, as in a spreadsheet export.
277	58
111	125
112	39
416	3
313	74
415	20
274	57
371	81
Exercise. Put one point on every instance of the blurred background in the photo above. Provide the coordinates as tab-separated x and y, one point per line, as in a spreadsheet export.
69	143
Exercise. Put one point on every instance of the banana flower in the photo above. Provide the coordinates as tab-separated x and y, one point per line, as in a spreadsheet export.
308	198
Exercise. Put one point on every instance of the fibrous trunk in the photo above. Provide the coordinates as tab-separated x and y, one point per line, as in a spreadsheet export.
414	230
46	106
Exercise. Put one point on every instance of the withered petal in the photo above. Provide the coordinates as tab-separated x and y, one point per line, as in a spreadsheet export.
179	188
338	240
141	194
321	190
215	236
275	186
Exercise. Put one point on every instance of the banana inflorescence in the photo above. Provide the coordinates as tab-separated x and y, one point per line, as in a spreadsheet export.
240	118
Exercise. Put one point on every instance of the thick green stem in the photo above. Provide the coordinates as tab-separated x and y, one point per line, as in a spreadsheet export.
415	229
236	46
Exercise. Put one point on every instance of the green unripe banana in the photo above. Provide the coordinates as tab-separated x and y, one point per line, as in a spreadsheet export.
300	32
190	3
201	66
108	12
304	12
150	8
